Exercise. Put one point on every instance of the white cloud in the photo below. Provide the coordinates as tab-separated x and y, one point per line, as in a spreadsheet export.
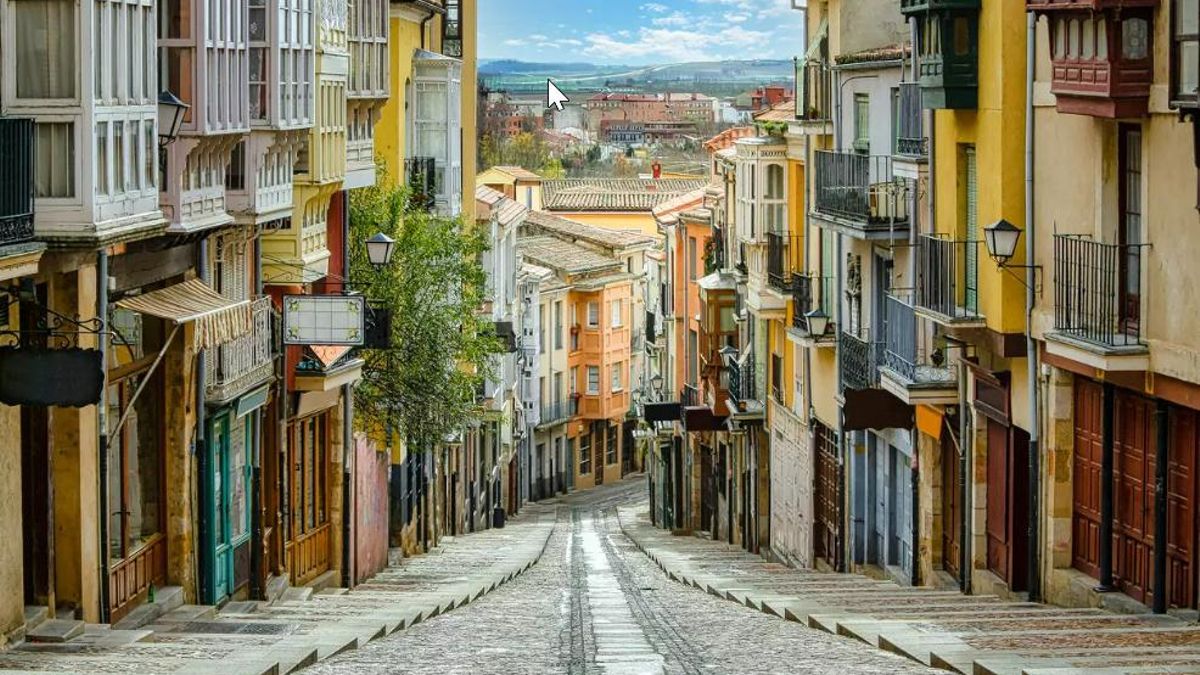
736	17
538	37
673	45
675	19
654	7
572	42
514	42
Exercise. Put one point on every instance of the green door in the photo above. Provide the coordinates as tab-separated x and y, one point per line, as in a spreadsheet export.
219	567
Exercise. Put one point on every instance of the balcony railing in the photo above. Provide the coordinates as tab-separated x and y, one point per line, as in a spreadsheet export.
714	258
1097	291
16	181
948	273
910	128
802	301
421	178
860	188
559	411
860	359
779	262
240	364
689	396
742	385
814	82
902	352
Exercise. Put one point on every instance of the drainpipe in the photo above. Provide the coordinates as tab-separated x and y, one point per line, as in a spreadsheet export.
348	454
199	449
965	446
102	426
256	493
1031	359
1160	507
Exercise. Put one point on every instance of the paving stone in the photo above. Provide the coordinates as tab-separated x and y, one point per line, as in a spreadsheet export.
55	630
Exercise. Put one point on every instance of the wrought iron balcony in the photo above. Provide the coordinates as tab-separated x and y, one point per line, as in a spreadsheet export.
948	278
860	189
814	82
743	387
16	181
558	411
860	359
911	141
902	353
714	256
779	262
1097	291
421	179
241	364
802	301
689	396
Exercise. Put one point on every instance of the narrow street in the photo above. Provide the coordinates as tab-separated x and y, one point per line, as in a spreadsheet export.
596	604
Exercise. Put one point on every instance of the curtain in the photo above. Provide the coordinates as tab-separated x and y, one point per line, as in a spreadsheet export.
45	32
55	159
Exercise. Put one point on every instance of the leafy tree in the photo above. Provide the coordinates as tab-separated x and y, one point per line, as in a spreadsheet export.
553	170
441	349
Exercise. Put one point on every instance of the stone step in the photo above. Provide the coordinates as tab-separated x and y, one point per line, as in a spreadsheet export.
296	594
241	607
35	615
329	579
331	591
185	613
55	630
166	599
276	585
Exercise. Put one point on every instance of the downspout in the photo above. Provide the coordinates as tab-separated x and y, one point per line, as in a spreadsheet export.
102	427
257	573
1031	359
847	470
200	448
914	435
348	454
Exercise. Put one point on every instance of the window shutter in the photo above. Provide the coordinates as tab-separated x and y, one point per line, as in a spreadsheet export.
972	227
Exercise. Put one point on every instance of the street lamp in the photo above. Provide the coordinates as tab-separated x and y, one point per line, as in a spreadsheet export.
1001	240
656	383
818	322
379	250
171	111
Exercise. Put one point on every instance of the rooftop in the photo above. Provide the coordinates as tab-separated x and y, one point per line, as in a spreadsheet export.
875	54
518	172
669	210
548	223
559	254
613	194
507	211
784	111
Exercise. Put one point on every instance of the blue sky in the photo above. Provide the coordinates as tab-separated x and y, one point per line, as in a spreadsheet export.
638	32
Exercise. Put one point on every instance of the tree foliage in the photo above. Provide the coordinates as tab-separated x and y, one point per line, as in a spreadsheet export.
527	149
441	349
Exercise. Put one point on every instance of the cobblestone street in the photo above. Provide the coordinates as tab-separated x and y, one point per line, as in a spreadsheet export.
594	603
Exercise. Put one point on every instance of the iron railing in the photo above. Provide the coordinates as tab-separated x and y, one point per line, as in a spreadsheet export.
742	385
16	180
948	276
714	259
910	128
558	411
860	188
802	301
779	263
421	176
814	84
689	396
243	362
1097	290
902	350
860	360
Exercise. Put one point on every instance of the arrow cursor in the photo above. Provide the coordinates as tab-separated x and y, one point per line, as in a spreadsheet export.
554	96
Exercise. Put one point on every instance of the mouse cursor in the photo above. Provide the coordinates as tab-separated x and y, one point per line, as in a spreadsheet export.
554	96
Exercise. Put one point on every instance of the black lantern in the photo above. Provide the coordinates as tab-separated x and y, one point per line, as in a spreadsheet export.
379	249
818	322
1001	240
171	111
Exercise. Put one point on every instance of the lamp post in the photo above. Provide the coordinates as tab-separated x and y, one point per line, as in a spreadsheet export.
379	250
1001	238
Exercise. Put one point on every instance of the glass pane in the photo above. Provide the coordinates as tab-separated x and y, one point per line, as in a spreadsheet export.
1135	36
239	472
143	474
115	550
45	50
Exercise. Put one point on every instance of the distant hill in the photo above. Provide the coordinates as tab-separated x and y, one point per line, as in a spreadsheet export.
718	78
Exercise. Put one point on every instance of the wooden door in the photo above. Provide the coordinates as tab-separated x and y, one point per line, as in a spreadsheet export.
1086	479
307	549
1181	500
598	453
951	507
708	492
998	477
827	521
37	512
1133	496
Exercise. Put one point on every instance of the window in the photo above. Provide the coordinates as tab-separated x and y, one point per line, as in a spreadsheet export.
55	164
593	314
239	474
593	380
1186	50
616	309
691	258
693	357
542	345
775	205
558	392
558	324
610	451
574	380
862	123
616	376
102	163
45	48
585	453
235	177
1135	38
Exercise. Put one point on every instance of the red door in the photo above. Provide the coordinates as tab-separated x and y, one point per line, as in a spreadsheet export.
1133	496
998	551
1085	523
1181	499
828	517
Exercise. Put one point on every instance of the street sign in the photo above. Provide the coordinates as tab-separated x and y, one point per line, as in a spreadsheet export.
324	320
50	377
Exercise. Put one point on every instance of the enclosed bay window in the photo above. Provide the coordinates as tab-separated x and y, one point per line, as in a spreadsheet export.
774	200
616	377
45	59
1185	52
593	380
437	127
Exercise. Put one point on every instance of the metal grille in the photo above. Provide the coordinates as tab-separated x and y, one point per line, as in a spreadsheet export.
947	285
1097	295
859	187
859	362
910	132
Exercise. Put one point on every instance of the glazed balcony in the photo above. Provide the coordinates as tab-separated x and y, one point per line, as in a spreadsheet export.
814	82
948	51
16	181
1101	55
912	372
860	196
948	280
1097	293
911	141
246	362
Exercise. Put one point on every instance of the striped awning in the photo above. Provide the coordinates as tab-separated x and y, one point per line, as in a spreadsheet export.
216	319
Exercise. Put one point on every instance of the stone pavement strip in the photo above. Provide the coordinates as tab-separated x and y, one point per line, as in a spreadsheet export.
966	634
291	634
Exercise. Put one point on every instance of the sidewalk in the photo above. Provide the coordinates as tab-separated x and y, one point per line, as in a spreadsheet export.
943	629
256	638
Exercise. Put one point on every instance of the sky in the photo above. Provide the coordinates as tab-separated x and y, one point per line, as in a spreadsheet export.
638	32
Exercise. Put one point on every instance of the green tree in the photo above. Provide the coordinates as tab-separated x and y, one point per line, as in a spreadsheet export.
441	349
553	170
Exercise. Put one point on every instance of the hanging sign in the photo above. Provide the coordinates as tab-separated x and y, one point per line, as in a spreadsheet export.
50	377
324	320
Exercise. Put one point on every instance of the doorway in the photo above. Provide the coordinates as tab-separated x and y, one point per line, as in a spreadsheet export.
1007	503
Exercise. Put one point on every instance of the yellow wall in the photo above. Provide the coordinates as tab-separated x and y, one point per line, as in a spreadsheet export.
997	129
470	95
642	221
389	131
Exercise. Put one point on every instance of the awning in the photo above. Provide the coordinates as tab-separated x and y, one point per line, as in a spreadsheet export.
217	319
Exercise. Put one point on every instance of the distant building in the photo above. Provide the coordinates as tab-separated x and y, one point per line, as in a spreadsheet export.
697	108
